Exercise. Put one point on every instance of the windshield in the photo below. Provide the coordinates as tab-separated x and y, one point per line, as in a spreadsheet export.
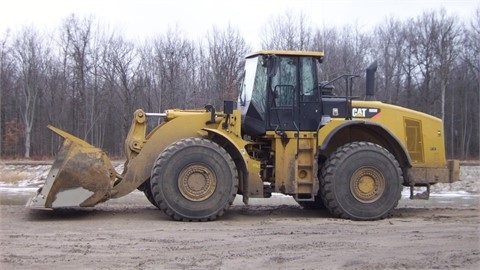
253	86
247	84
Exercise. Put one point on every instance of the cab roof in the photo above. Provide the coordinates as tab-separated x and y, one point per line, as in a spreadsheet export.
280	52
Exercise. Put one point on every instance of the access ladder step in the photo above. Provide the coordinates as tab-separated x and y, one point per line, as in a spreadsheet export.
425	195
304	197
304	166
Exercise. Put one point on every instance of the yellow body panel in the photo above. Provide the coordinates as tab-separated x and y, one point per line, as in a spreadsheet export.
392	118
251	184
139	168
295	162
432	139
416	139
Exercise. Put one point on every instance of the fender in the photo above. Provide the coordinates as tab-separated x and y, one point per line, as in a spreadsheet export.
139	168
390	140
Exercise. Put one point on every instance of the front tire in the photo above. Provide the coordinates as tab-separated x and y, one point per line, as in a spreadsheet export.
147	190
194	179
361	181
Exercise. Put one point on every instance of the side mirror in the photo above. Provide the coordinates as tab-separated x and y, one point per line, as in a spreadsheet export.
227	106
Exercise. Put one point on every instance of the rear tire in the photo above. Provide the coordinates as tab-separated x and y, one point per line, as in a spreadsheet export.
361	181
194	179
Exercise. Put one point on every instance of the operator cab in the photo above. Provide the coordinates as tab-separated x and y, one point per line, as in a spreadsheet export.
280	92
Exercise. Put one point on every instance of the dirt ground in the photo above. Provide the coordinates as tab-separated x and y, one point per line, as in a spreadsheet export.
275	233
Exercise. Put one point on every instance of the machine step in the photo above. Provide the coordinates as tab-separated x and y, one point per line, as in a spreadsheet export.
425	195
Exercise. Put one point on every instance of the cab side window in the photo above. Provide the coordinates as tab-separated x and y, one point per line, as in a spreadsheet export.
309	90
284	82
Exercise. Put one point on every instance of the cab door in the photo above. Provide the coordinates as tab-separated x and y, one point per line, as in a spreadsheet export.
294	101
283	98
310	110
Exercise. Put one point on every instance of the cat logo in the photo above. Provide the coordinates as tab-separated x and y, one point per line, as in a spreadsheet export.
358	112
365	112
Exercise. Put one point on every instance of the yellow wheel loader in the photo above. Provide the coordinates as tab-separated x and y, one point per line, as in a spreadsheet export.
290	134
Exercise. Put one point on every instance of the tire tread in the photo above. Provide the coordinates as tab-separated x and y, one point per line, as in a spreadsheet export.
163	159
327	178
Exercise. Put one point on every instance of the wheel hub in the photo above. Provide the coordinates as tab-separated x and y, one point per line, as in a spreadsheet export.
367	184
197	183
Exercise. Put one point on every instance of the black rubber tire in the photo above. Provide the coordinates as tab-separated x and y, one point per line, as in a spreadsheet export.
194	179
342	176
147	190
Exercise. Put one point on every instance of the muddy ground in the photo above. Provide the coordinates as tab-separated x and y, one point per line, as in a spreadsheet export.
275	233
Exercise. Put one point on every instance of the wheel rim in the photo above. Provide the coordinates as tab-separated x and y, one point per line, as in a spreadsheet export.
197	182
367	184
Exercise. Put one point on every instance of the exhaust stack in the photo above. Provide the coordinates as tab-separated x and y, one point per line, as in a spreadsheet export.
370	81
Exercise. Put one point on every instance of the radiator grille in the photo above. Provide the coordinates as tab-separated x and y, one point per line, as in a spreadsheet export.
413	131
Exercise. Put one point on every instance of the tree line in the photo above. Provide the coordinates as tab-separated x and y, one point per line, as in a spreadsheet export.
88	80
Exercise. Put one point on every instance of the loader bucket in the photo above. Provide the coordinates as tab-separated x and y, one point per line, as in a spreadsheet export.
82	175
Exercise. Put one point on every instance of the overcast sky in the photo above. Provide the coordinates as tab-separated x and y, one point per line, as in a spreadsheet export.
140	19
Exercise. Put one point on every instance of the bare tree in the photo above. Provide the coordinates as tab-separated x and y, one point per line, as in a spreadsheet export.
3	68
408	64
226	51
121	69
471	57
389	44
327	40
76	36
288	32
446	49
174	54
30	54
428	38
347	51
149	74
97	100
89	81
475	26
